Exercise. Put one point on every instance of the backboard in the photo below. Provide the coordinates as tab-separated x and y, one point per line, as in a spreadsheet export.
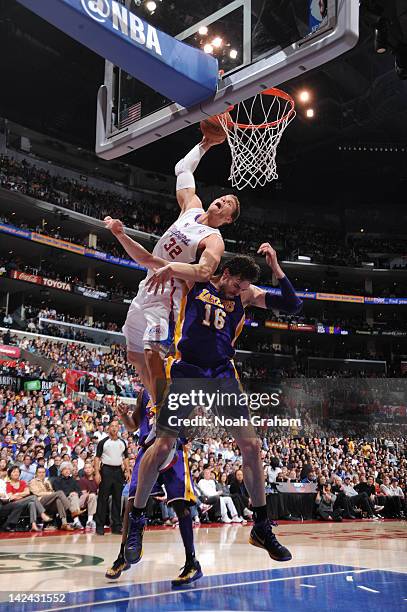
258	43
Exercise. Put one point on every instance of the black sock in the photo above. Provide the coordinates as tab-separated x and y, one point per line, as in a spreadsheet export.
138	512
259	514
121	553
187	535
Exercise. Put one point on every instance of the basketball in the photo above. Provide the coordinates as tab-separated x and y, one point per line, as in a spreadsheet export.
212	128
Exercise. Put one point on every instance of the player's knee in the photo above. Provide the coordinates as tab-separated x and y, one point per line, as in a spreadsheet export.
149	356
136	359
153	355
250	446
180	508
162	447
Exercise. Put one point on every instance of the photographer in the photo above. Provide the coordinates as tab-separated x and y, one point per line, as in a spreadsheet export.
325	501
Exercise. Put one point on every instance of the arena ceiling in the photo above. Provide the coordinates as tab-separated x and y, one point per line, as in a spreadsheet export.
49	83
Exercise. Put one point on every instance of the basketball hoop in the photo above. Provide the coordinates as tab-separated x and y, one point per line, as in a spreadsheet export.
254	134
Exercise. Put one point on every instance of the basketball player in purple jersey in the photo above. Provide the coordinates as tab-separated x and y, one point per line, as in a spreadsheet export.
176	478
210	320
193	237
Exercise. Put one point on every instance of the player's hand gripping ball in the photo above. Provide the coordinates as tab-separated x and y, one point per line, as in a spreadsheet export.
212	129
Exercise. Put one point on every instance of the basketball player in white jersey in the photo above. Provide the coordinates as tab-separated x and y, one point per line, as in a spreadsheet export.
193	238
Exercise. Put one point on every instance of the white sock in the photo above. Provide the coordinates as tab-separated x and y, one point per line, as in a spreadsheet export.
90	517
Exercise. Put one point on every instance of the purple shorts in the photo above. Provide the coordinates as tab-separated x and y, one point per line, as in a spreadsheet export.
176	479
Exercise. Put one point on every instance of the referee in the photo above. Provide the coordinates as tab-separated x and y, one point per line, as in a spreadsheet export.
111	469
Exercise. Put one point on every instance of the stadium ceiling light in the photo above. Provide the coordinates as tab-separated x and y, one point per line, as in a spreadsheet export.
233	53
310	113
203	30
217	42
304	96
208	48
151	6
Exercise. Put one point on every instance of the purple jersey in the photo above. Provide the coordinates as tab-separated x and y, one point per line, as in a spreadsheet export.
208	326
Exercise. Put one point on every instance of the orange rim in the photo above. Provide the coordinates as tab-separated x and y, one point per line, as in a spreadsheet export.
273	91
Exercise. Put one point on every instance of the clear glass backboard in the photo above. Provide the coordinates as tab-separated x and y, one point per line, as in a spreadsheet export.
258	43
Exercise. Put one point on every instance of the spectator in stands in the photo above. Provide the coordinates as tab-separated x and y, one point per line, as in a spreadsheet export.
236	499
9	512
342	502
54	469
89	489
309	477
273	470
27	469
66	483
54	502
209	493
398	492
19	493
393	502
325	501
358	499
237	487
366	485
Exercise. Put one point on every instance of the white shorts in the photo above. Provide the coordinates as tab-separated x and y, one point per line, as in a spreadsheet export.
148	322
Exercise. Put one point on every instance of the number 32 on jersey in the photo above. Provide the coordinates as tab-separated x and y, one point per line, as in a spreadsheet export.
173	248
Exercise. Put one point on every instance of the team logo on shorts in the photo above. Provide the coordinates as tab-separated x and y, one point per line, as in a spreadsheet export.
154	332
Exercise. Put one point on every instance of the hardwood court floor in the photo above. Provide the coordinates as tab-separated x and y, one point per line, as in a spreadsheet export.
343	566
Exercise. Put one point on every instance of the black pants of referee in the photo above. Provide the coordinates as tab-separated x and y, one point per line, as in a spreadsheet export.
112	481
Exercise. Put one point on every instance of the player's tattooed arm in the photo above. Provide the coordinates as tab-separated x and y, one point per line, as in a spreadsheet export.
190	273
137	252
287	302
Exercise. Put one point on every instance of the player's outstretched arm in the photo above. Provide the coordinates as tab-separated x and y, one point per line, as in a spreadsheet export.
287	302
184	171
137	252
130	421
190	273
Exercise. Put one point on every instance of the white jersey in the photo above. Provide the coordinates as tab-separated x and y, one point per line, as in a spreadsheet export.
179	244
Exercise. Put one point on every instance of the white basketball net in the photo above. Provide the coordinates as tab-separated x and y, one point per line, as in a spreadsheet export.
254	147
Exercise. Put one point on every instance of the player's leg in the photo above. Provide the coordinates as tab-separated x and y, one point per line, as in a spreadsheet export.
246	437
120	564
181	494
138	361
156	339
150	463
192	570
154	458
262	534
133	330
153	357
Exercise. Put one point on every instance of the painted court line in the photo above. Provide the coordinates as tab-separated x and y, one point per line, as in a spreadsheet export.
207	588
367	589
